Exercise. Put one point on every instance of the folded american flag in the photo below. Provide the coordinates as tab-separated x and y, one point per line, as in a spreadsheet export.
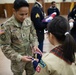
49	18
35	64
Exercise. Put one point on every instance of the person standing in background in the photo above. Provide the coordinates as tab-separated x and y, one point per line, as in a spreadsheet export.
72	19
19	38
53	9
37	15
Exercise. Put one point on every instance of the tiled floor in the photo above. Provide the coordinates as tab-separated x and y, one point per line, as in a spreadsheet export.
5	63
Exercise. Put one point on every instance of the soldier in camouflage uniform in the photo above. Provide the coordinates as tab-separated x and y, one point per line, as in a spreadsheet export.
18	39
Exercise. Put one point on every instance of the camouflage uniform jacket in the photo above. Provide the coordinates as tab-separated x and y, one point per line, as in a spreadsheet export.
17	39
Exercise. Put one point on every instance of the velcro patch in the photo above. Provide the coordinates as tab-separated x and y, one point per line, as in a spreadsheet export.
3	37
42	64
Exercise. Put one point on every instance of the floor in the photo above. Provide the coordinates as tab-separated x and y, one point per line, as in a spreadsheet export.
5	63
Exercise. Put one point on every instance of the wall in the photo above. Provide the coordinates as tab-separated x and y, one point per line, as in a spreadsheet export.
6	1
32	1
62	6
1	10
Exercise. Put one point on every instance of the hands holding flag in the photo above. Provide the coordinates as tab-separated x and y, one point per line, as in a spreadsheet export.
50	17
35	61
36	50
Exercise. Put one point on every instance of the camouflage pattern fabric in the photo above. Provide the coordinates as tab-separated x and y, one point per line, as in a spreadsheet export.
17	41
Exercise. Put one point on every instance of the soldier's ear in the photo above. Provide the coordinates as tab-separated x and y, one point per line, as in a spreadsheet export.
14	11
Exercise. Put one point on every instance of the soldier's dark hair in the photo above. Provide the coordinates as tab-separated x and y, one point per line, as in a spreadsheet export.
20	3
58	27
53	2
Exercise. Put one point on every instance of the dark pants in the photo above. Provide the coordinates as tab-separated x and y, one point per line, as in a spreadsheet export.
40	46
73	31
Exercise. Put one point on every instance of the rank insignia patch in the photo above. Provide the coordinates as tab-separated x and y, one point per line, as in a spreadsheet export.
37	15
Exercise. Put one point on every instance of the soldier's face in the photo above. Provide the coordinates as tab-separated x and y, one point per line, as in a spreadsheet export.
21	14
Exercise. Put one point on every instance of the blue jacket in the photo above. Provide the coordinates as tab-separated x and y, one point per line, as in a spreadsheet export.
51	10
37	15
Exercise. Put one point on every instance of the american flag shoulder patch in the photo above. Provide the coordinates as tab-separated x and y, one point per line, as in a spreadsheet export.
38	68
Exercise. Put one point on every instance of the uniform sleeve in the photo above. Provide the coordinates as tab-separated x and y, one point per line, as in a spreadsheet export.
58	12
33	36
6	48
70	15
49	11
36	18
41	69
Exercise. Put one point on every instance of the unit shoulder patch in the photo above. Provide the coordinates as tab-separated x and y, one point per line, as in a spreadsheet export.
42	64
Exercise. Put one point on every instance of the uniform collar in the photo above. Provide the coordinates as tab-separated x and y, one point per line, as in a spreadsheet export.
39	4
16	23
58	51
52	7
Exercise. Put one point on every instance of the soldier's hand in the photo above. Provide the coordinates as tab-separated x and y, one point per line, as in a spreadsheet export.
34	49
37	50
26	58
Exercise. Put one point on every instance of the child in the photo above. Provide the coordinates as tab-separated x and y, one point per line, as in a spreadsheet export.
59	60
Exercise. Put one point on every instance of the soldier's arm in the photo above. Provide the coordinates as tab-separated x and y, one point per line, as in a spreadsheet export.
33	36
70	15
58	12
6	45
36	18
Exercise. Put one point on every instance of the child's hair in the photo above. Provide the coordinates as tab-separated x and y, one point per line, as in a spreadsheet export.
20	3
60	28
